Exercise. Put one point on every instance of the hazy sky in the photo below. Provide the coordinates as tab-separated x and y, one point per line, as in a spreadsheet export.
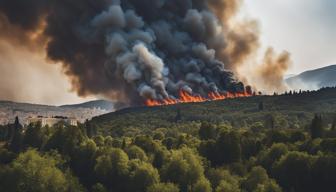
26	77
305	28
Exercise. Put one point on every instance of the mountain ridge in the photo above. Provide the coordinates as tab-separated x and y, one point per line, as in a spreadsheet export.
103	104
314	79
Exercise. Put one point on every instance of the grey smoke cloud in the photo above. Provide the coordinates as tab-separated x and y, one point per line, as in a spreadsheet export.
114	16
133	50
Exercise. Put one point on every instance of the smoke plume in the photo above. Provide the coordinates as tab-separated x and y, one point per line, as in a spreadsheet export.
133	50
270	74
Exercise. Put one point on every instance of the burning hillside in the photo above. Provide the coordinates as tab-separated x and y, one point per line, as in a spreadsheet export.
185	97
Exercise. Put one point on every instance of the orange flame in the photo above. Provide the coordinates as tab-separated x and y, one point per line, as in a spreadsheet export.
185	97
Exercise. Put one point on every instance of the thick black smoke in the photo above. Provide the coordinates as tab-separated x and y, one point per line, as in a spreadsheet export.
138	49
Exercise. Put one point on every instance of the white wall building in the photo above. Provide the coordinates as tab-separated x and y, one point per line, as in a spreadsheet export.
51	121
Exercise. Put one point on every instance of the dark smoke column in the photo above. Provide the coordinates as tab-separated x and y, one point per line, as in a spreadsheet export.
133	50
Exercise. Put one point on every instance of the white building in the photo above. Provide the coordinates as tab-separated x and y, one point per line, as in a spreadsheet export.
50	121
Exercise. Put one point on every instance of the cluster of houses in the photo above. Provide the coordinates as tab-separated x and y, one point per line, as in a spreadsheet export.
50	121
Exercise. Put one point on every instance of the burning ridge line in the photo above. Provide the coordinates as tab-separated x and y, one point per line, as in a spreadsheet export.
185	97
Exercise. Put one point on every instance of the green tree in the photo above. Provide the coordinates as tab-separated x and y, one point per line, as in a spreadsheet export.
135	152
6	156
323	173
99	140
146	143
33	172
4	132
257	127
143	175
112	169
98	188
160	156
88	129
65	139
293	171
209	150
158	135
225	186
219	175
297	136
250	146
163	187
34	136
207	131
85	156
316	127
108	141
183	168
202	185
169	142
271	186
257	176
277	136
15	143
228	148
268	157
328	145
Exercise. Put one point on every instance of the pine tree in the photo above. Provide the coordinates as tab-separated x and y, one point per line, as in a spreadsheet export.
16	138
88	129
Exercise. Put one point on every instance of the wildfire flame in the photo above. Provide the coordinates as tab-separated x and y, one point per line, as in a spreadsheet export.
185	97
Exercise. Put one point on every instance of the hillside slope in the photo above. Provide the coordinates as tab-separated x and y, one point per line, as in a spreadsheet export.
296	109
314	79
102	104
9	110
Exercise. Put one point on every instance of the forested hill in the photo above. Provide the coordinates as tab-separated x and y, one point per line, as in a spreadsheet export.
102	104
262	143
291	110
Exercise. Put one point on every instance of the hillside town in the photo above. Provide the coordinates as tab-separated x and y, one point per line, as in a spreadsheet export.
48	115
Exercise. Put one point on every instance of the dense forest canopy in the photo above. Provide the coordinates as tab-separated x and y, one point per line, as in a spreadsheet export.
259	144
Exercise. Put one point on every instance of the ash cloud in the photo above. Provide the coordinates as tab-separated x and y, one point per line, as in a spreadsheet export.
269	74
132	50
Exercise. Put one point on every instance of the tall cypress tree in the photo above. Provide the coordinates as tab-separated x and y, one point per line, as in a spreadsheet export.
16	138
88	128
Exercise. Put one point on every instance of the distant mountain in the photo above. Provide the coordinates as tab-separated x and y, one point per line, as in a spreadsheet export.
314	79
289	76
102	104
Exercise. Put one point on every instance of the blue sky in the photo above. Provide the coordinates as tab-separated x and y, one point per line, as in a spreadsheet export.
305	28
